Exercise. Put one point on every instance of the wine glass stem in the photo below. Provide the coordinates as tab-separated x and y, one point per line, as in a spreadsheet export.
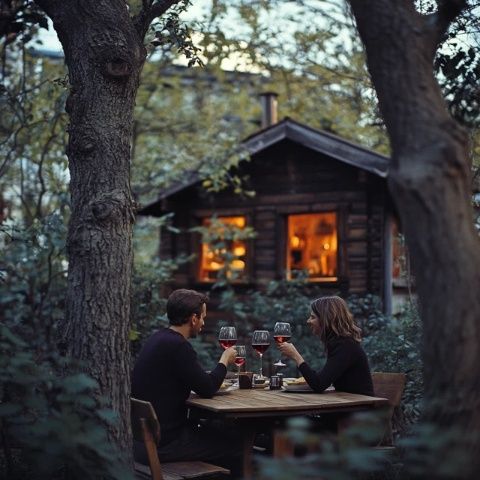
261	366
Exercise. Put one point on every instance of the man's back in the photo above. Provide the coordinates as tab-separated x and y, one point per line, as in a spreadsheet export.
165	373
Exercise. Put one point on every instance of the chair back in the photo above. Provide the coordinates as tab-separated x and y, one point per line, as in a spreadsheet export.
146	429
389	386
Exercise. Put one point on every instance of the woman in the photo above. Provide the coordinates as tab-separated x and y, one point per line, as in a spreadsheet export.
347	365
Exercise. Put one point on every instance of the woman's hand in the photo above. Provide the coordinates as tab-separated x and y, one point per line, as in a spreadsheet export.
289	350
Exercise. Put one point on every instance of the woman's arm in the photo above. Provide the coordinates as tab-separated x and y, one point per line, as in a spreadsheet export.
338	361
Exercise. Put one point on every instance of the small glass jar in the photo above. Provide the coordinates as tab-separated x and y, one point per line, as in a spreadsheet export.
275	382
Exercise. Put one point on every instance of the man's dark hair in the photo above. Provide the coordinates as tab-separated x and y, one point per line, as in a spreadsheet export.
182	304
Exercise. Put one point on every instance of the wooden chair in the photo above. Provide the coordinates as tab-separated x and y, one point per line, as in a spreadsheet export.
389	386
146	429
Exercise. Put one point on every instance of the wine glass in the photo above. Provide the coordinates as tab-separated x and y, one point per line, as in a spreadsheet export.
227	337
260	343
241	356
281	333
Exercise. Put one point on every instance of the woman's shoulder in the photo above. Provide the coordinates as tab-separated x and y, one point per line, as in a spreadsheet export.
343	343
344	340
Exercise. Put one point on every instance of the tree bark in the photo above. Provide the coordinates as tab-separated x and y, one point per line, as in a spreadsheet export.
104	55
429	180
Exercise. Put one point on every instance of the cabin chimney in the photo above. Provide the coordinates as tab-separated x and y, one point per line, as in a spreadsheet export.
269	108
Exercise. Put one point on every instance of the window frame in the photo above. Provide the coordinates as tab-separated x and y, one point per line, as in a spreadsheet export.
283	246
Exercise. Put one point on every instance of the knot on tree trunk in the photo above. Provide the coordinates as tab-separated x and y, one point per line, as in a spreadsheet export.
83	143
117	68
111	206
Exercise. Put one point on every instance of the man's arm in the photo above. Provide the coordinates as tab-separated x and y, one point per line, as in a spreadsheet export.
202	383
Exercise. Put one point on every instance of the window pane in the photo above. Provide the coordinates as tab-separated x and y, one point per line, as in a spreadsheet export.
223	248
312	245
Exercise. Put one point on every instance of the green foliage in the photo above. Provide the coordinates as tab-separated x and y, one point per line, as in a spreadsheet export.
344	457
394	344
148	308
443	450
57	423
33	175
169	31
20	21
187	125
33	273
350	456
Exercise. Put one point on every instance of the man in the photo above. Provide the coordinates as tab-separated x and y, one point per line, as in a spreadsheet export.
167	371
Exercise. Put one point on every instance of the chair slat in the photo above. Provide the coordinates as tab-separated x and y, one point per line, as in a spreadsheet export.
193	469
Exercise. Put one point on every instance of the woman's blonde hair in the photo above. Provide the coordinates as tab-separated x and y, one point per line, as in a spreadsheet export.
334	317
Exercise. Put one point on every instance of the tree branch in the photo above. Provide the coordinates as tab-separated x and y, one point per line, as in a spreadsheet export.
149	12
447	11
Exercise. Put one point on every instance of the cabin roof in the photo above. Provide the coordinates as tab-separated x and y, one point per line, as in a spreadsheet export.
288	129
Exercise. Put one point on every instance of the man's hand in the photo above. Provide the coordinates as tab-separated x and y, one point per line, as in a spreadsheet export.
228	356
290	351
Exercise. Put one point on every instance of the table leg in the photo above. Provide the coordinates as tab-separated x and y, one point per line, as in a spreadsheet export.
282	445
248	433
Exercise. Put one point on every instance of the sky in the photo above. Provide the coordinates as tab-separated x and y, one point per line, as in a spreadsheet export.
232	27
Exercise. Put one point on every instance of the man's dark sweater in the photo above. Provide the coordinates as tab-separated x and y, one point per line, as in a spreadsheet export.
165	372
346	368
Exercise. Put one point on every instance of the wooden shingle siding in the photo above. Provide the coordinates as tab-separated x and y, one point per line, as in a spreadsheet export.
291	179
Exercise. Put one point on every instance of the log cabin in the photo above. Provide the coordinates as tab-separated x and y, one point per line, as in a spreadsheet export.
321	206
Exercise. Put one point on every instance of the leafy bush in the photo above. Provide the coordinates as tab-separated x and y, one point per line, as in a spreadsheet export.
347	456
148	307
393	344
58	423
52	426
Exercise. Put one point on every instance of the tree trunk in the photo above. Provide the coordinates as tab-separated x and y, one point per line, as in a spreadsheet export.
429	180
104	55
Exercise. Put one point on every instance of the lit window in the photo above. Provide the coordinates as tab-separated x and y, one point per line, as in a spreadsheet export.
312	245
223	251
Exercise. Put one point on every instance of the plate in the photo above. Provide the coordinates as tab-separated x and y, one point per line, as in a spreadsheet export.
297	388
304	389
223	391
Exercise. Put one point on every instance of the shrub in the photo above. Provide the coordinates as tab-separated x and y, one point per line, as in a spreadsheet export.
52	426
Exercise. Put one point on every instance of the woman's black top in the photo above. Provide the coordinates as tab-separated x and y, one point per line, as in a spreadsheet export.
346	368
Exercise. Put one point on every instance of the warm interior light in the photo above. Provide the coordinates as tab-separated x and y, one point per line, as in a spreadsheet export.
214	260
238	265
239	221
313	245
294	241
239	251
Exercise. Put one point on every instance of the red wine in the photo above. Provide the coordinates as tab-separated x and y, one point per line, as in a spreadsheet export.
260	348
239	361
282	338
228	343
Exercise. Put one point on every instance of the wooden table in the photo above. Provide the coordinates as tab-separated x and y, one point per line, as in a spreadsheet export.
250	405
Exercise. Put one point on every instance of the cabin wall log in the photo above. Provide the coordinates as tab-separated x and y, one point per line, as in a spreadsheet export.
290	179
